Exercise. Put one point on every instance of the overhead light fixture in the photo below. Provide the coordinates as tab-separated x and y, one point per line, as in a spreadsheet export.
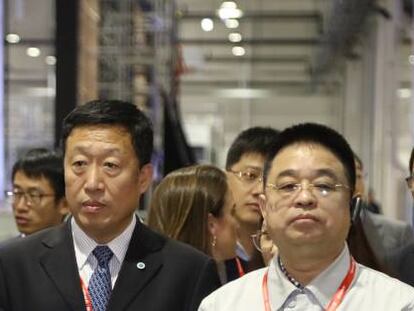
238	51
404	93
246	93
12	38
229	5
411	59
50	60
235	37
231	23
228	9
33	51
207	24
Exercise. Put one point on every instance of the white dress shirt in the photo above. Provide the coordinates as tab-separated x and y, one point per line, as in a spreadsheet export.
370	290
84	246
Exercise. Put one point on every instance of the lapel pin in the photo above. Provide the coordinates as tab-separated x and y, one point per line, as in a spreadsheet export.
141	265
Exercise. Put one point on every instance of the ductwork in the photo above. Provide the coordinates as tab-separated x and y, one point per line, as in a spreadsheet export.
344	22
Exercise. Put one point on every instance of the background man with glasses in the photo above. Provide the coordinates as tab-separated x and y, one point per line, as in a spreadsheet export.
309	183
410	179
405	258
38	194
244	164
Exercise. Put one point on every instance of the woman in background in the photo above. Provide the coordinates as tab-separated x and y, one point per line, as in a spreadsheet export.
194	205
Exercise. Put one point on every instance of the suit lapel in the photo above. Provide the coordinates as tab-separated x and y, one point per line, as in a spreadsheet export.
142	261
59	263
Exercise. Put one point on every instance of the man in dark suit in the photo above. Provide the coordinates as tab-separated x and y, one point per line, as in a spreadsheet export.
386	237
103	258
404	259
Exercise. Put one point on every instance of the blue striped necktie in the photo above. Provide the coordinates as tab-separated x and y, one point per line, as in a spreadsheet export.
100	283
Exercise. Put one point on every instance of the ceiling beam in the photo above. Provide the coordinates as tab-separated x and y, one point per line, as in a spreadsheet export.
257	59
32	42
247	83
260	15
261	41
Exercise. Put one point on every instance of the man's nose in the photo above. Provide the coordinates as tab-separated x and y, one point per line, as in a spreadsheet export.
305	196
22	204
258	187
93	179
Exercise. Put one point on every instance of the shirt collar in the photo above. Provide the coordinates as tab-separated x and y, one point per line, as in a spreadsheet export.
84	245
323	287
241	252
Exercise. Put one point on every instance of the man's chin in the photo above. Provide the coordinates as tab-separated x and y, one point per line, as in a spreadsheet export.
251	219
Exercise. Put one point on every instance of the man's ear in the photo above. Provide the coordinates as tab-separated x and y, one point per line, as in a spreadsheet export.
262	203
145	177
63	207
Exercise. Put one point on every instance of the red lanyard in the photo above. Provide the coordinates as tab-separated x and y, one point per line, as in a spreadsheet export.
240	269
335	301
87	297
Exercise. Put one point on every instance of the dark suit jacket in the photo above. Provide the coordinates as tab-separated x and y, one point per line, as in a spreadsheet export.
404	260
39	273
3	243
387	237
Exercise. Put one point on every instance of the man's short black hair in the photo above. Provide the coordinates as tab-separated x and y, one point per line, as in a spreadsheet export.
253	140
41	162
316	134
114	112
411	163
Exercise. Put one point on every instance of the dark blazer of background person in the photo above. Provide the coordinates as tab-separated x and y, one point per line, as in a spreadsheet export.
386	236
170	268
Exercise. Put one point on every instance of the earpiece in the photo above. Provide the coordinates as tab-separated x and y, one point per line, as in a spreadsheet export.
356	206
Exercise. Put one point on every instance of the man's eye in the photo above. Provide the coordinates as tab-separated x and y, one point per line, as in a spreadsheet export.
79	163
111	165
250	175
288	187
34	194
324	187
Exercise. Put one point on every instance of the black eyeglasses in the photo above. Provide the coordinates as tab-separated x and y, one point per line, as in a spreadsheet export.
32	197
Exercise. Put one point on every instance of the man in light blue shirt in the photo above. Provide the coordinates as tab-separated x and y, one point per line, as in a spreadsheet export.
308	185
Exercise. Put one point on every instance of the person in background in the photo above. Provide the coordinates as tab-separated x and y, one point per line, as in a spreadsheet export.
386	237
103	258
244	164
410	179
194	205
38	193
309	183
372	203
404	259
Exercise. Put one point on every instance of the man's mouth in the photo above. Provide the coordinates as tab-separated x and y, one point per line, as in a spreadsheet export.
92	206
21	220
